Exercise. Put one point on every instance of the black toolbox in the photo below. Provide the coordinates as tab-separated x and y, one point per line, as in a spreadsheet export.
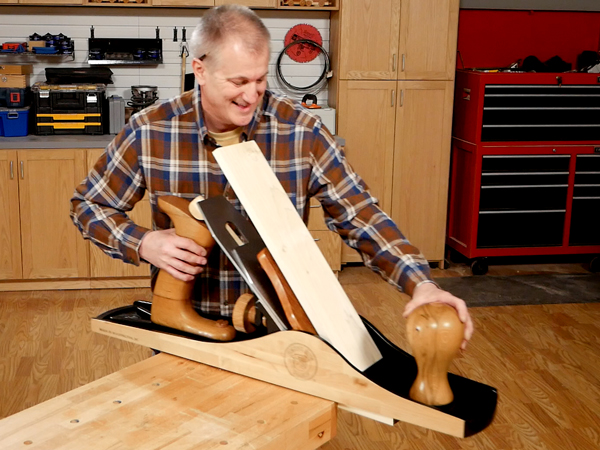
13	97
68	108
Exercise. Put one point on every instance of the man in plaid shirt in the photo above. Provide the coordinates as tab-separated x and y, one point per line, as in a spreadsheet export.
167	148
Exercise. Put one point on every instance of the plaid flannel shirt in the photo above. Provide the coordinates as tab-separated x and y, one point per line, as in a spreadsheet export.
165	150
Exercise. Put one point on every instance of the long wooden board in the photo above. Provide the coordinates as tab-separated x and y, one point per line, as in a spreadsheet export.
295	252
297	361
167	402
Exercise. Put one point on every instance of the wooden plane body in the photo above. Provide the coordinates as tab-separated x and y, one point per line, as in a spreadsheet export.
305	363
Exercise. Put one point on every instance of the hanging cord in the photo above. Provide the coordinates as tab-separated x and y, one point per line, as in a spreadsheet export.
317	85
183	55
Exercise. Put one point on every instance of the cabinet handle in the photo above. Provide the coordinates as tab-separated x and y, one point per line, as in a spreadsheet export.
403	61
12	171
22	171
393	97
402	97
394	62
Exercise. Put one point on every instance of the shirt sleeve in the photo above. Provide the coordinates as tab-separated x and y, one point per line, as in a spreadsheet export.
352	212
114	185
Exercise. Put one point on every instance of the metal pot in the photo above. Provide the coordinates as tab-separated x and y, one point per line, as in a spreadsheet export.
144	92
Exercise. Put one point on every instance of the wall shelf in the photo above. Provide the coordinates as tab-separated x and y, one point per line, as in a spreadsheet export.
125	51
30	55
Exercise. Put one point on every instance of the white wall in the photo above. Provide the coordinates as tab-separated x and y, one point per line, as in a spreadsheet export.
18	22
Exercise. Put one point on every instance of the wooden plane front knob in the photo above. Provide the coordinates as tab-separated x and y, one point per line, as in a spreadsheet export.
435	334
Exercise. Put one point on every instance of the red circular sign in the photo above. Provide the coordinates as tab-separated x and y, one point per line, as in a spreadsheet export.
303	52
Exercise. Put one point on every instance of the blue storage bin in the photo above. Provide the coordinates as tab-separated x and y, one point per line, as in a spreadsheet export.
13	121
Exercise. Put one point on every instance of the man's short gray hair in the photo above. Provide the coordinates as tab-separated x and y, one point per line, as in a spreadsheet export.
227	21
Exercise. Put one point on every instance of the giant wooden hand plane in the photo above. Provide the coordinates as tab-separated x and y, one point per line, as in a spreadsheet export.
338	356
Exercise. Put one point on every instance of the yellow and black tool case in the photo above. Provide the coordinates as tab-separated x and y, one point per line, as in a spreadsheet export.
68	108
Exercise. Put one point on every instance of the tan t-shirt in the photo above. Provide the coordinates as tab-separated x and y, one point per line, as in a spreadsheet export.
227	138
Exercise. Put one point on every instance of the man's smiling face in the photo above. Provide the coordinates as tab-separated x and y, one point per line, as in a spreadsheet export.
232	84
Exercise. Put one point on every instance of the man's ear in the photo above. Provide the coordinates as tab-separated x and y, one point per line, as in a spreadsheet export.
199	70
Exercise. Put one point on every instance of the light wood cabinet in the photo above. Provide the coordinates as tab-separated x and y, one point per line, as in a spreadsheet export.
50	245
102	265
428	36
10	234
329	243
398	39
421	163
369	38
393	94
367	125
398	140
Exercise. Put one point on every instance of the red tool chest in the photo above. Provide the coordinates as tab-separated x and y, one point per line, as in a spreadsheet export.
525	177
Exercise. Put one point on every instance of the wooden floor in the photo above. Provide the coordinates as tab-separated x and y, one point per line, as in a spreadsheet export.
544	361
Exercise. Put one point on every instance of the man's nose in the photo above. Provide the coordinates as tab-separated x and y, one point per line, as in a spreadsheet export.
252	92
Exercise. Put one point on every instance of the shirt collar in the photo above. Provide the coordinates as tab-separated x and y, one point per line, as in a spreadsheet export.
248	131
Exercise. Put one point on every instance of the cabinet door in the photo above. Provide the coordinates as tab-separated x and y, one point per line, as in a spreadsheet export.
329	243
369	39
10	235
52	246
102	265
421	163
428	33
366	121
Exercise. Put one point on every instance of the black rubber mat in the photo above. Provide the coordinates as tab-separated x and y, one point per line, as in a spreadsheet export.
524	289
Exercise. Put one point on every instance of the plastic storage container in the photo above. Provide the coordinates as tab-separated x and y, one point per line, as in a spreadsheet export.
13	121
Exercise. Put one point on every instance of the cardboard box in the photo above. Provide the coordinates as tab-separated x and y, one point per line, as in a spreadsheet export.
14	81
16	69
32	44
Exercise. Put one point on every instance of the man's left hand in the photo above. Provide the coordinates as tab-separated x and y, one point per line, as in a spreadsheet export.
430	293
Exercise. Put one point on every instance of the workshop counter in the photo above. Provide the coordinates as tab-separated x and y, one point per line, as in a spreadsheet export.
51	142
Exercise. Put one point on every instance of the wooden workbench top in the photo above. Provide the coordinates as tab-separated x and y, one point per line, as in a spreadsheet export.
166	402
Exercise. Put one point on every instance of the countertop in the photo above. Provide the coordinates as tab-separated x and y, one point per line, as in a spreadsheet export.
68	141
62	141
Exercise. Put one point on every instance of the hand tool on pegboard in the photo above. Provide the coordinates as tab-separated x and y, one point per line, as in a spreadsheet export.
184	53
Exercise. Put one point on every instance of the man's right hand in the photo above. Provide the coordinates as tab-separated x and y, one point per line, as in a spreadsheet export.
179	256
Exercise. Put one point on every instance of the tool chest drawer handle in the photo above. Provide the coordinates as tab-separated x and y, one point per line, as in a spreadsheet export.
13	115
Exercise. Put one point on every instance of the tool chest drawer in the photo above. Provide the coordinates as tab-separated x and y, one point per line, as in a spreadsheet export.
526	107
541	113
586	201
520	229
524	182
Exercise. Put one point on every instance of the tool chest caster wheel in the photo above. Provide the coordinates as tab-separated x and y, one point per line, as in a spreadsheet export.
479	266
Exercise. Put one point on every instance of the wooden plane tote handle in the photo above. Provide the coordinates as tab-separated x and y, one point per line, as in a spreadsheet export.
172	298
292	308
